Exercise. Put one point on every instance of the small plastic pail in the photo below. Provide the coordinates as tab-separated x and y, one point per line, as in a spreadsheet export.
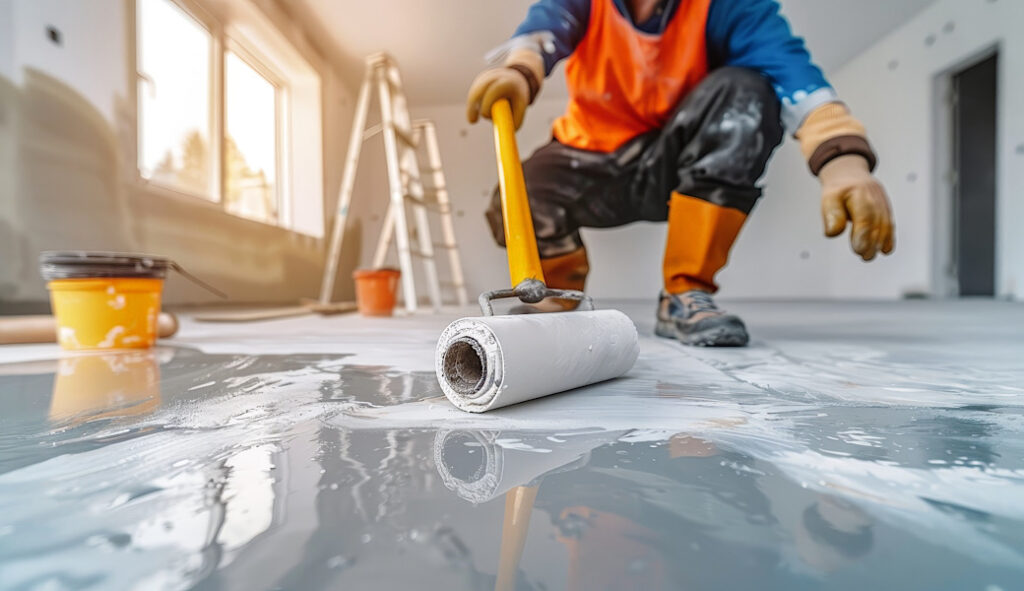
104	300
376	291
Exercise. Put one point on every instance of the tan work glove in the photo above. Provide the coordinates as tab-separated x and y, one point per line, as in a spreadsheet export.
837	151
511	81
849	192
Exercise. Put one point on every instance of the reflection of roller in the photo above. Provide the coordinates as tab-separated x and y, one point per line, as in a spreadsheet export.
480	466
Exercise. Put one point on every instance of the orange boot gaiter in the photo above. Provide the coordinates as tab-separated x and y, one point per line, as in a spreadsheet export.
700	235
568	271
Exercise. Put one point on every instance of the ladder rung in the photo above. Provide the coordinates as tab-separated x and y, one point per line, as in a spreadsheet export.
409	174
404	136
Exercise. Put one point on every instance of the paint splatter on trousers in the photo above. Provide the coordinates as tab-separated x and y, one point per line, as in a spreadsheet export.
705	163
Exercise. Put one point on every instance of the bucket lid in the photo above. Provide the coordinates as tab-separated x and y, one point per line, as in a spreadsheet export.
83	264
86	264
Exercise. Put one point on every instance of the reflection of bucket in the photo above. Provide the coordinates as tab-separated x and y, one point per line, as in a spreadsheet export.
93	385
104	300
376	290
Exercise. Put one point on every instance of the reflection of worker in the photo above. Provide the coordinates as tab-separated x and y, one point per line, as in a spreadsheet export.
674	110
833	533
656	522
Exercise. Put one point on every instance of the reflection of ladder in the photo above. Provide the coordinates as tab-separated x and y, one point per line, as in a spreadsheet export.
401	138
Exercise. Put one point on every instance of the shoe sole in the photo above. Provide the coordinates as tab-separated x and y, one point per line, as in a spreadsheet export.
719	336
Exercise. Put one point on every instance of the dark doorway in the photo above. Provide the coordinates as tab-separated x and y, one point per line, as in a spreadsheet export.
974	194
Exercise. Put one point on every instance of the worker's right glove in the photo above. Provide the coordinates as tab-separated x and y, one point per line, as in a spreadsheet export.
851	193
838	153
518	80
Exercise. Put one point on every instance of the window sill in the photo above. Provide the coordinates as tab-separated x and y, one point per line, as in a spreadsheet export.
143	191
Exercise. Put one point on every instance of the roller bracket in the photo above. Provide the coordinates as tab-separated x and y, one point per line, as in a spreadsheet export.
532	291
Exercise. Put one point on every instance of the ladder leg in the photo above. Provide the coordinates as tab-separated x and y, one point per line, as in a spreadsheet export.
427	251
384	240
441	194
397	194
426	243
355	145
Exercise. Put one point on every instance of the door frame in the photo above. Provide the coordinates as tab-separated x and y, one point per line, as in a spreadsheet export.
945	283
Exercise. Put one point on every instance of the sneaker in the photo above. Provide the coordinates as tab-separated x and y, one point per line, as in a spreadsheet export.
692	318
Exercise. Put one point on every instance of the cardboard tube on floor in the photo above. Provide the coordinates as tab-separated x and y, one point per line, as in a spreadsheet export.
21	330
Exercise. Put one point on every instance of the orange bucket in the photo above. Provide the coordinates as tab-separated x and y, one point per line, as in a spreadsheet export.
104	300
376	291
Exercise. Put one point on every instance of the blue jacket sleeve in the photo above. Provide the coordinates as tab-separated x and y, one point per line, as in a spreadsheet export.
753	34
566	20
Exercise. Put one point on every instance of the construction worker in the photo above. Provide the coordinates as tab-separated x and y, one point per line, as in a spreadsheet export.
675	107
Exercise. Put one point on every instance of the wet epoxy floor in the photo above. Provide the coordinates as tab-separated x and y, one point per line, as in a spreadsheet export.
852	446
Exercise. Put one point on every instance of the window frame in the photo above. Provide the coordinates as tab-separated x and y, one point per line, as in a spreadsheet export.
221	41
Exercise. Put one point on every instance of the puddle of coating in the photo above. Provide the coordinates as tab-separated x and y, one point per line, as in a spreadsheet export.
832	458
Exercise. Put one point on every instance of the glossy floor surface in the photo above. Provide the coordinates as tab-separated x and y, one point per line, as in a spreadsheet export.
852	446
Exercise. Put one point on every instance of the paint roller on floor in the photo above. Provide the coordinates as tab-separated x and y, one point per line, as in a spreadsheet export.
492	361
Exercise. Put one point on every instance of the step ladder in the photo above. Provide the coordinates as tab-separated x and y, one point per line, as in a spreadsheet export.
402	138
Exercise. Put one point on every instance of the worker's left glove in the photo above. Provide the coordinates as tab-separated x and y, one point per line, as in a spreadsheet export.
838	153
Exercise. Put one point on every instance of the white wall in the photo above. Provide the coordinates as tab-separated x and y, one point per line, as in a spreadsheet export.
892	88
69	167
6	32
782	252
93	44
779	254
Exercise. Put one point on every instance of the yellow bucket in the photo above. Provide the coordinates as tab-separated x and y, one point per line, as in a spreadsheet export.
106	313
104	300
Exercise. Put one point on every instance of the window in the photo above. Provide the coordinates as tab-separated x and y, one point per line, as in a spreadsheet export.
229	111
174	106
250	143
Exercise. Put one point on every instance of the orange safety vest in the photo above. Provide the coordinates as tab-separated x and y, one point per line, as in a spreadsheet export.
624	82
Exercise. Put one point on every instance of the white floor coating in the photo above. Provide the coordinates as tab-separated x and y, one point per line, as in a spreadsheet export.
855	445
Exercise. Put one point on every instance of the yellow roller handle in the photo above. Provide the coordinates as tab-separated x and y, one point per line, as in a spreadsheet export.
520	240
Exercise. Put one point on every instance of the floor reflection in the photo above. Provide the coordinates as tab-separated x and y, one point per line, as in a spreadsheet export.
178	469
105	385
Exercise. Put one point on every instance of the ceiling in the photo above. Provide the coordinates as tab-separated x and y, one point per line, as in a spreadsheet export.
440	43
